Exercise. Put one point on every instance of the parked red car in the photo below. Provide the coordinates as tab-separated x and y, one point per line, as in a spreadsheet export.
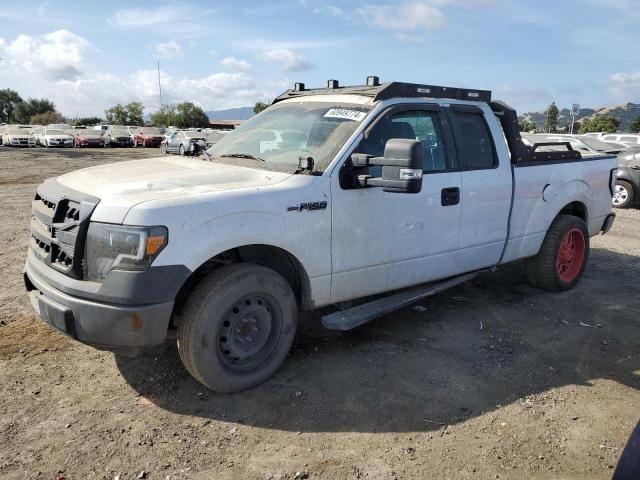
148	137
88	138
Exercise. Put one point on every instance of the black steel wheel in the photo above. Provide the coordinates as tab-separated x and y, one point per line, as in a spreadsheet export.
237	327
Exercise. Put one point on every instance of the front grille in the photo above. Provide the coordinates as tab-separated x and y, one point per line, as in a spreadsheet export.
59	227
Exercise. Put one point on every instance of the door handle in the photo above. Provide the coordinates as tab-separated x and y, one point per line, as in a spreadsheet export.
450	196
635	167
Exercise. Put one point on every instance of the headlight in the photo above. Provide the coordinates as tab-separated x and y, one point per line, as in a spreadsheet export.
110	247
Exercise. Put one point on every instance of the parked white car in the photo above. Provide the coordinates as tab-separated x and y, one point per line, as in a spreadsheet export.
628	139
53	137
396	189
18	137
59	126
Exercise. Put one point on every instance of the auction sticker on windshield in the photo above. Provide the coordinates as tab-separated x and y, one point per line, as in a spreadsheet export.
346	114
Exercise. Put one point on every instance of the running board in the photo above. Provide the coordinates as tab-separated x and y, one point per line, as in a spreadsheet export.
356	316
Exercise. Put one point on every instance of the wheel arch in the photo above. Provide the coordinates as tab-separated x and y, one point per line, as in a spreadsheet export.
575	209
270	256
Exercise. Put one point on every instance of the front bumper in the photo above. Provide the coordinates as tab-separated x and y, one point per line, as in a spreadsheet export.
119	324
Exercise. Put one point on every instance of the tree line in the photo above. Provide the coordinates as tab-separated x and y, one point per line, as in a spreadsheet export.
599	123
41	111
33	111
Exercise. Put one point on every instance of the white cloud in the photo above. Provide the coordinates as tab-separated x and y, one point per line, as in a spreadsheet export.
235	64
168	50
144	17
52	66
625	87
287	60
332	10
55	56
408	16
412	15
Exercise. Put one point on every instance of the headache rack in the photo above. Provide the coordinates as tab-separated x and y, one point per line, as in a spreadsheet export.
384	91
521	153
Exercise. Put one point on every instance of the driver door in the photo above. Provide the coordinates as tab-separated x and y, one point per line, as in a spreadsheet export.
383	241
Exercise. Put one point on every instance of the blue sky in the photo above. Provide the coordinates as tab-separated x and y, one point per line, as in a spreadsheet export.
87	56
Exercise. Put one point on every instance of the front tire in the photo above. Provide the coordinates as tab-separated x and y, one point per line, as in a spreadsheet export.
623	194
182	150
237	327
163	148
563	256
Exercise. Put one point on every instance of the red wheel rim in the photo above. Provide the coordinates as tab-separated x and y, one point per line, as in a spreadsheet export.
570	255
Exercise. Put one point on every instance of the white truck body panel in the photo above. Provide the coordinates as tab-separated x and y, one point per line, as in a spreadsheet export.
367	241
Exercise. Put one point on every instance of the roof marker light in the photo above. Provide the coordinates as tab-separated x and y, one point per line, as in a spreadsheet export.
332	84
298	87
373	81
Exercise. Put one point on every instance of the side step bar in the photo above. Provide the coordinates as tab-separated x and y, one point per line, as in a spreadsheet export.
356	316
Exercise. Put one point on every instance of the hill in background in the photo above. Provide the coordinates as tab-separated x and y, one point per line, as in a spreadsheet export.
626	113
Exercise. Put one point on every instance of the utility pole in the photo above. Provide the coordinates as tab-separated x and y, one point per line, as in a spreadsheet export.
159	85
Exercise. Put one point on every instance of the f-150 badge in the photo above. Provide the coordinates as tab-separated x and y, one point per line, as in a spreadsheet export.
308	206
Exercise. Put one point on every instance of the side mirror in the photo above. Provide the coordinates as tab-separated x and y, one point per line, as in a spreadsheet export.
401	166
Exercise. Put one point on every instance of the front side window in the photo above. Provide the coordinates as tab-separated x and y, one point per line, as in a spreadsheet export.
278	137
416	125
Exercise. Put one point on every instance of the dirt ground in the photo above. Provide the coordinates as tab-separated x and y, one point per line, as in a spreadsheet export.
492	379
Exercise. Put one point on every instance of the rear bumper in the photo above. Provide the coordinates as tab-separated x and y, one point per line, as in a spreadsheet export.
118	327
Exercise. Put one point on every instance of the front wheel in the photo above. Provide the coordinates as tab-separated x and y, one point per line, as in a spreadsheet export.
182	150
237	327
163	148
563	256
623	195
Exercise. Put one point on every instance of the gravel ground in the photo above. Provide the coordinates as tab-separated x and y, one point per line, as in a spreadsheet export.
491	379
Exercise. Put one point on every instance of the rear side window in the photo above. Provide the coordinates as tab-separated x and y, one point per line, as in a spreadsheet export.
473	139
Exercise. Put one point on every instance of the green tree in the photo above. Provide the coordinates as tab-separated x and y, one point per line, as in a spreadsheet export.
166	116
527	126
46	118
635	125
116	115
134	113
8	101
182	115
190	115
599	123
551	118
89	121
259	106
130	114
33	106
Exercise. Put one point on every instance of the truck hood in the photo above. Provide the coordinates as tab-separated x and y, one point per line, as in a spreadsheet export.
120	186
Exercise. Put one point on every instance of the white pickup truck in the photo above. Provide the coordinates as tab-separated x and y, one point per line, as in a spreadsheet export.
385	192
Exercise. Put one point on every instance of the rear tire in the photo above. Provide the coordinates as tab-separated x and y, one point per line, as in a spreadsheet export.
563	256
623	194
237	327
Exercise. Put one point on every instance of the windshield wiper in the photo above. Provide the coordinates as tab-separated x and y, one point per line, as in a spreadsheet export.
243	155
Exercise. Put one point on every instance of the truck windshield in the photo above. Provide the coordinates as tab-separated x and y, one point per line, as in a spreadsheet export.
279	136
